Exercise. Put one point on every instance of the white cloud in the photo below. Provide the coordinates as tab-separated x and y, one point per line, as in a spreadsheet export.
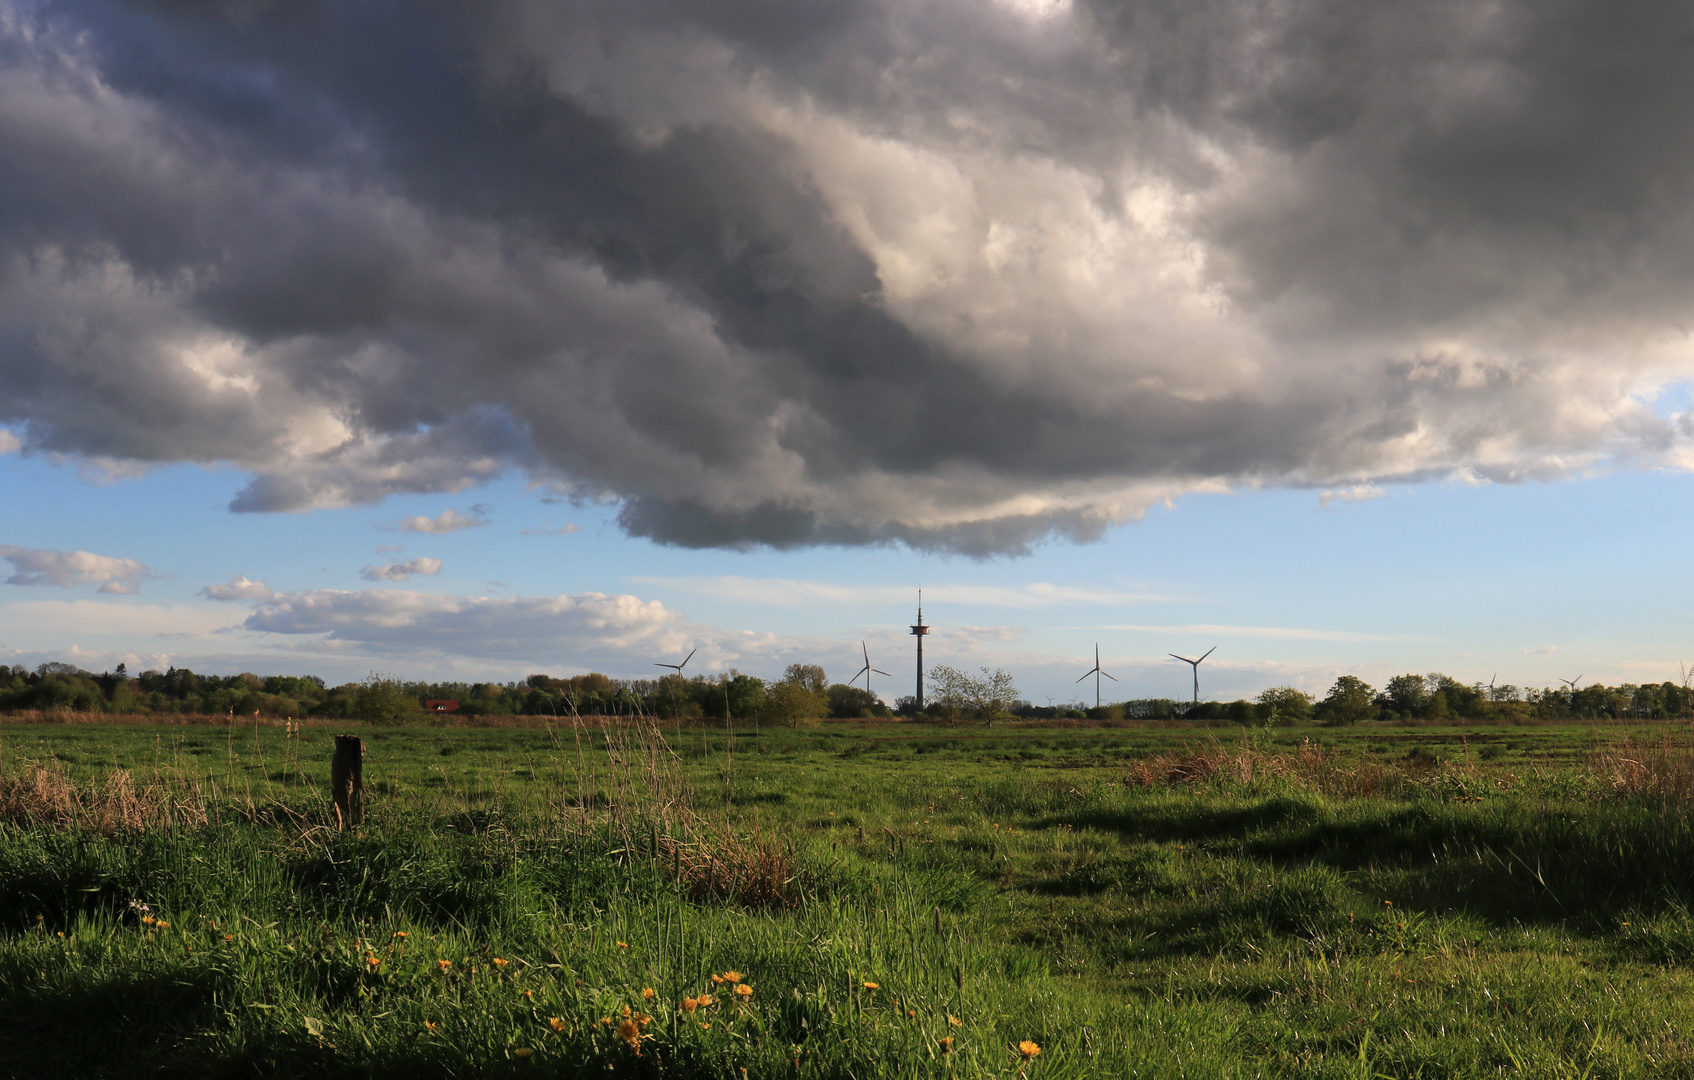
1541	650
559	628
788	592
239	588
447	521
1292	633
9	442
37	566
1356	494
400	571
563	530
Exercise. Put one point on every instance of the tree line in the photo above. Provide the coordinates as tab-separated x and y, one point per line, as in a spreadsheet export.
804	695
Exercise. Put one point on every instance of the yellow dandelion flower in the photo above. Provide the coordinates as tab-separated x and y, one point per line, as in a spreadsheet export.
626	1010
530	994
228	938
717	980
556	1023
946	1044
689	1004
428	1026
623	944
443	965
500	963
1028	1049
629	1033
399	935
522	1052
744	991
705	1027
732	976
606	1020
872	986
647	993
373	961
148	920
162	925
954	1020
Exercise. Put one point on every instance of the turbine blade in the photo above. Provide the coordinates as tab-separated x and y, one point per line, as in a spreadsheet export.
1085	675
879	671
1110	676
1207	653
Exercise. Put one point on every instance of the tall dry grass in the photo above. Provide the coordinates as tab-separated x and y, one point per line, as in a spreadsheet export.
1657	770
42	795
1308	765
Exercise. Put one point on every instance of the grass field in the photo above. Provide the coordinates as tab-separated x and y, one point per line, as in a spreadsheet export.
857	900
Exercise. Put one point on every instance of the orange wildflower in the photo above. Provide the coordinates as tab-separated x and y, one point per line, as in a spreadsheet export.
647	993
1028	1049
689	1004
373	961
872	986
443	965
555	1023
629	1033
500	963
947	1044
398	934
522	1052
743	991
732	976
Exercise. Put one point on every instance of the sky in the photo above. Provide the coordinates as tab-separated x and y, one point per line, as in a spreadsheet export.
475	340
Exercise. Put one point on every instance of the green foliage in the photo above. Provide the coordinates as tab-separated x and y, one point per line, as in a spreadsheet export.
383	699
794	704
1349	701
810	676
1283	705
987	696
850	702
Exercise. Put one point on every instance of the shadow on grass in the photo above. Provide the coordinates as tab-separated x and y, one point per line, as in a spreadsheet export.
1505	861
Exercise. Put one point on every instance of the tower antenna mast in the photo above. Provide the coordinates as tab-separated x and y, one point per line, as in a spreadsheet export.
919	630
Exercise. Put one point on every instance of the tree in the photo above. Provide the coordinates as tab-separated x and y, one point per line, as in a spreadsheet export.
810	676
793	704
986	696
1350	700
847	702
1406	694
383	699
1284	705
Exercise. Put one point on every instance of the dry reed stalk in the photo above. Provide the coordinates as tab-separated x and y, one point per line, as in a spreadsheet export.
1659	770
1308	765
45	796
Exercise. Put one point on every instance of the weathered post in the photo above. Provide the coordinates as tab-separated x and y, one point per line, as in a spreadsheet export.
347	781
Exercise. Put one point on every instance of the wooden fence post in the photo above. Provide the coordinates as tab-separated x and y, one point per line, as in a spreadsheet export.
347	781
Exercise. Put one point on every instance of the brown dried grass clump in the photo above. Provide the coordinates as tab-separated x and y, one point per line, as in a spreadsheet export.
1659	770
1310	766
716	864
45	796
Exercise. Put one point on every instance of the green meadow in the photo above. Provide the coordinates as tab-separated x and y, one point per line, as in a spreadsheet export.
853	900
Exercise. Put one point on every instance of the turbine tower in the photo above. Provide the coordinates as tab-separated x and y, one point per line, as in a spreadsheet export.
1195	664
1096	672
867	669
919	630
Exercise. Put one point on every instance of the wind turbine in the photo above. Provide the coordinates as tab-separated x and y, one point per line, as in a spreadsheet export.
867	669
678	667
1195	664
1570	684
1096	672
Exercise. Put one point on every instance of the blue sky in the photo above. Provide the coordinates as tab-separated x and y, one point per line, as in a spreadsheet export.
1532	581
485	339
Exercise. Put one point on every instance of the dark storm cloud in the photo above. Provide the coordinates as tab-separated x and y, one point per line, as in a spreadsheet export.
965	276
